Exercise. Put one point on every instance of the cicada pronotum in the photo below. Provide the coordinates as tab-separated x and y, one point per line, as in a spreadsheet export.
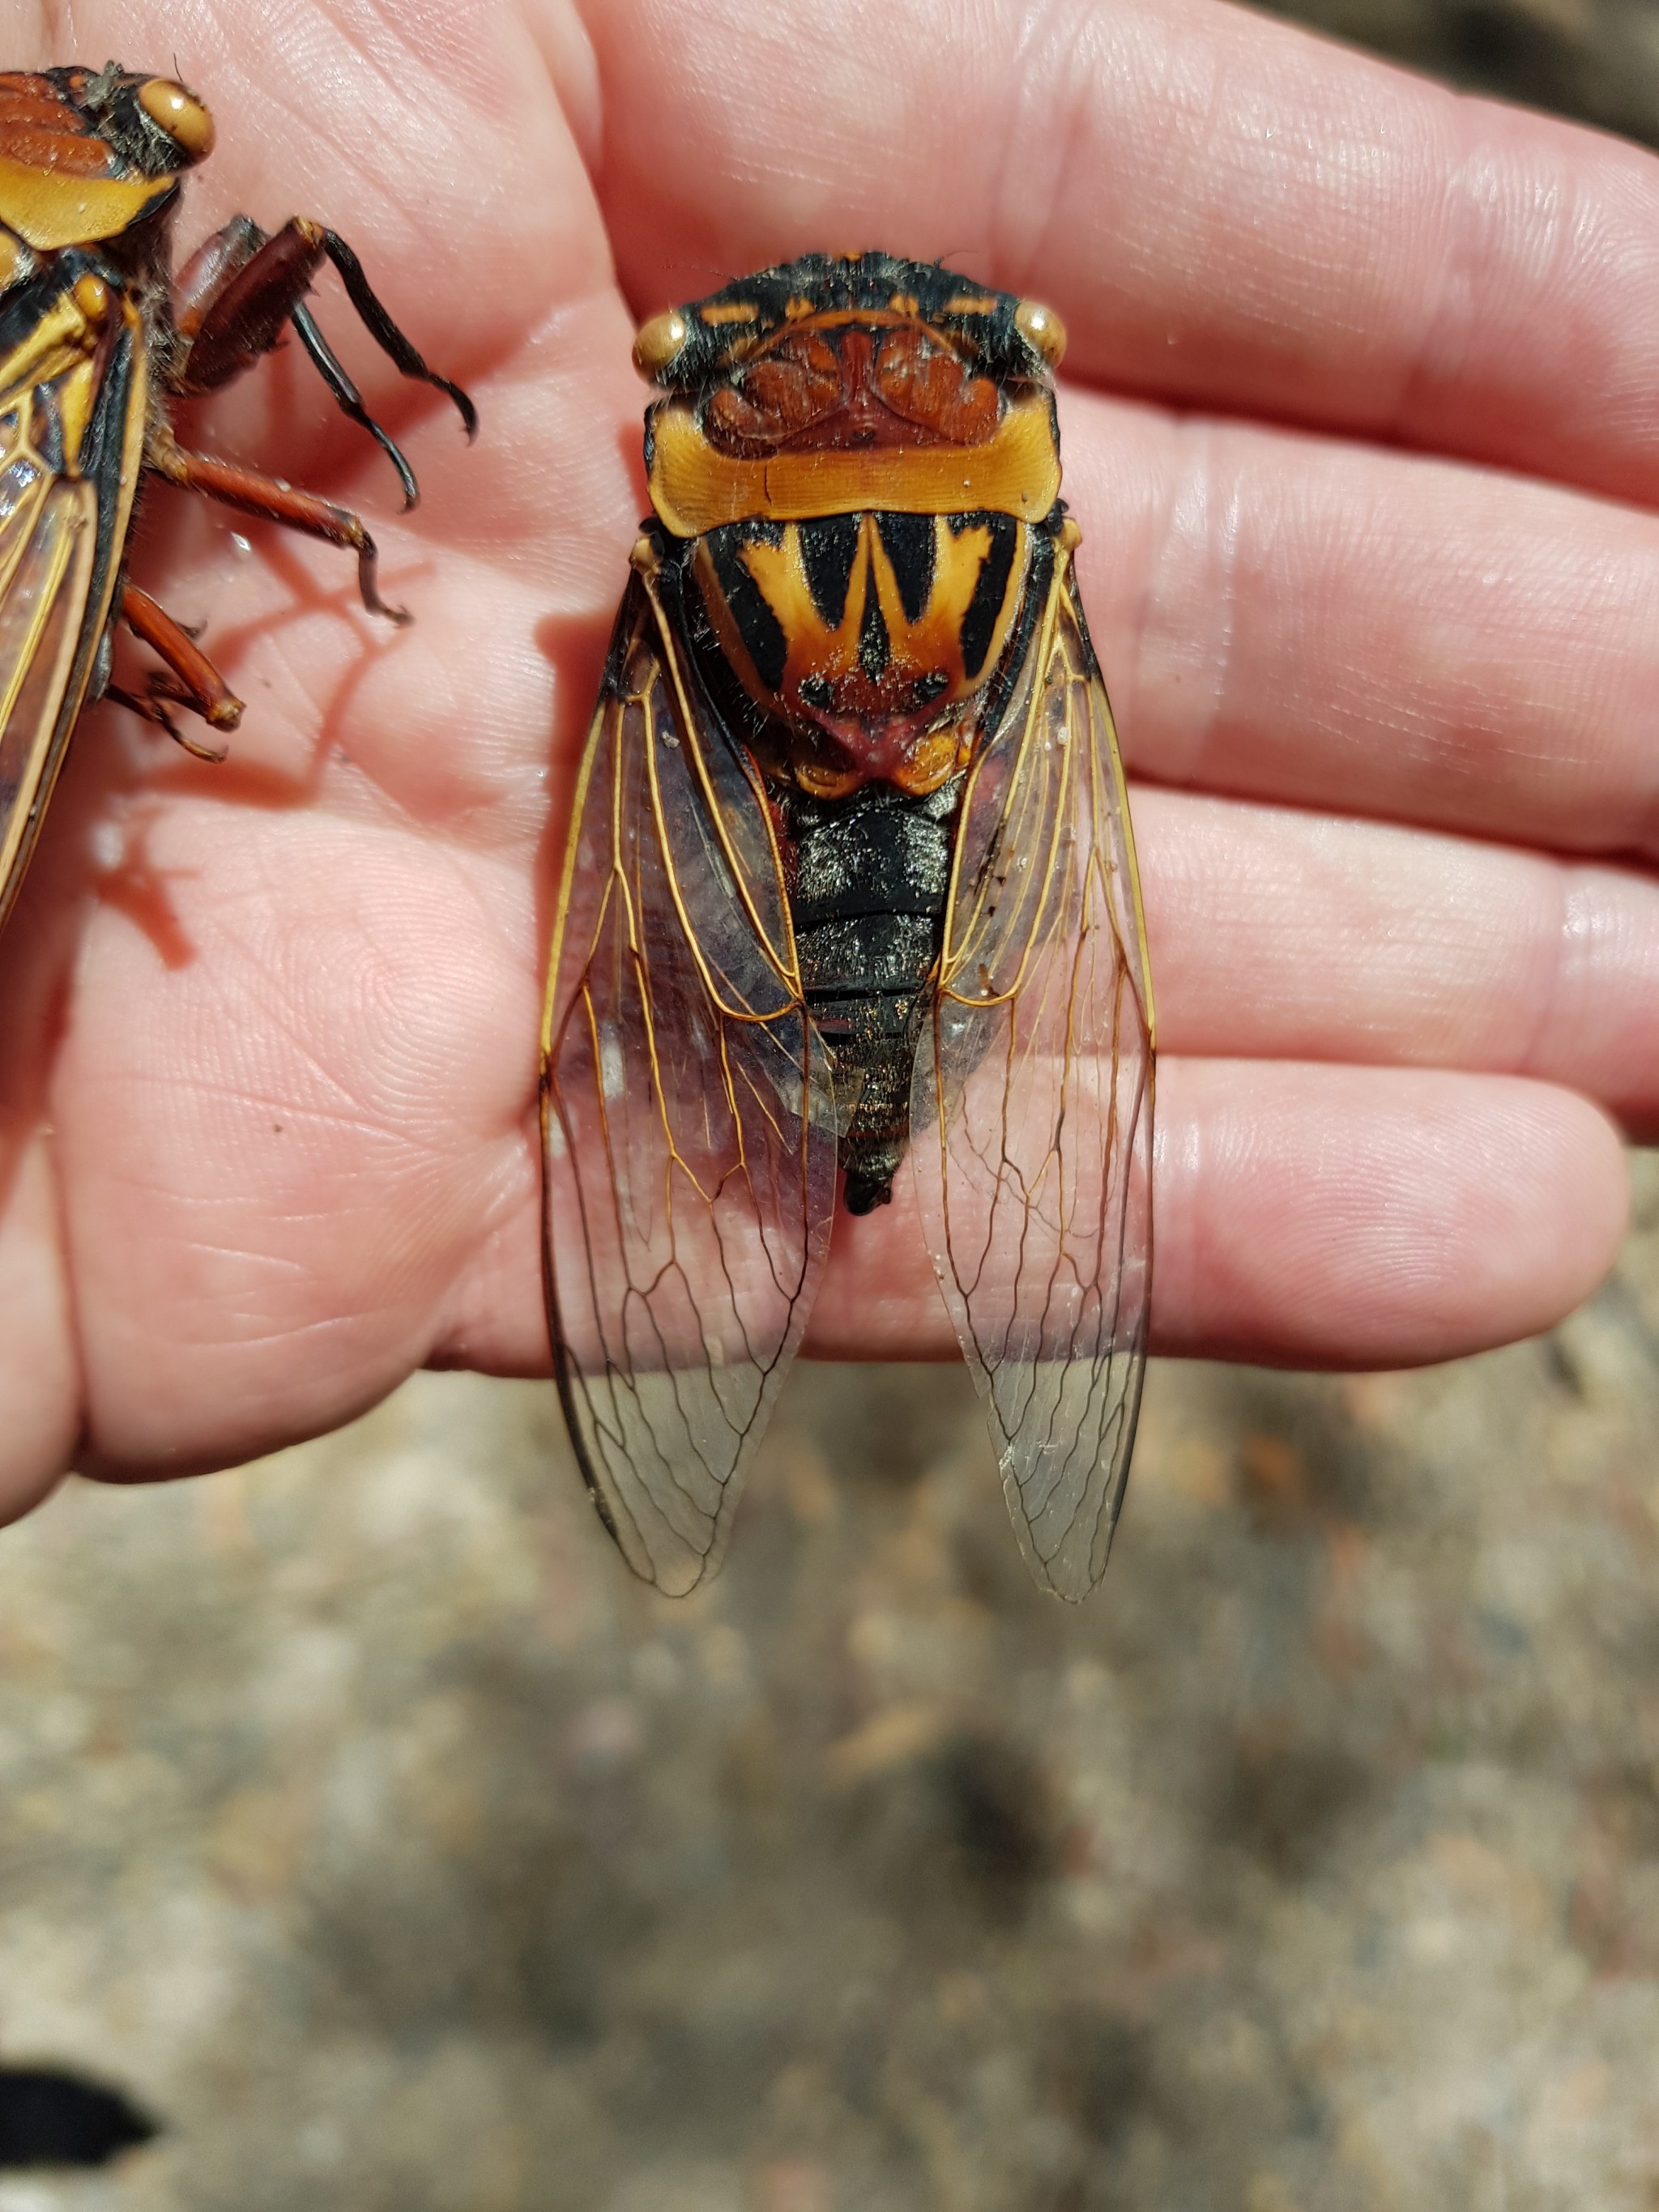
850	874
96	335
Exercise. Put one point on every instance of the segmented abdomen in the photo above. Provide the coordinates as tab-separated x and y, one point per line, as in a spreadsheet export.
871	873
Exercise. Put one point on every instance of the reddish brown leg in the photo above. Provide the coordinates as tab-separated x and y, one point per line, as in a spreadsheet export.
232	299
241	290
270	501
191	679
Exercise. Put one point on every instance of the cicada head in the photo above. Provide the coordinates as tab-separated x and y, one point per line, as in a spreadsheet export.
150	127
860	450
85	154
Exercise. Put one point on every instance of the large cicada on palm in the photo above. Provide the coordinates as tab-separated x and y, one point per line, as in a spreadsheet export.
96	335
850	876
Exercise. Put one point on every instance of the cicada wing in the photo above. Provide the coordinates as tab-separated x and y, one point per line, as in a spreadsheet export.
72	404
1032	1107
689	1140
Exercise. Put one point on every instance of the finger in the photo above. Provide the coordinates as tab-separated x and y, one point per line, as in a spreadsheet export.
1224	209
1306	1215
1299	619
1335	1217
41	1382
1290	935
1314	1216
284	1127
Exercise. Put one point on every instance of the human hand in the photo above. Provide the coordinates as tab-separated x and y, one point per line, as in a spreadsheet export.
268	1030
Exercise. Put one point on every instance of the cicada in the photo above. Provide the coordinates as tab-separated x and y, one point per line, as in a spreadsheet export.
95	336
850	876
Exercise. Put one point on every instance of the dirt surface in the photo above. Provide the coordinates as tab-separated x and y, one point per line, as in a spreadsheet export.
379	1843
367	1826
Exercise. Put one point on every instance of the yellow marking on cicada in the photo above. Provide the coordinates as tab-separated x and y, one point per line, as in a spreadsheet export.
68	333
41	606
730	311
62	350
695	488
49	209
77	391
821	652
970	303
905	304
17	261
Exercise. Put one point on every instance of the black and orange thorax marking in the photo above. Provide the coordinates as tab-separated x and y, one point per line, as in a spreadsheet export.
868	636
860	485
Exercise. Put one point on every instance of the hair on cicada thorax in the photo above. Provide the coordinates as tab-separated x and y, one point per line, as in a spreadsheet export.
96	334
855	764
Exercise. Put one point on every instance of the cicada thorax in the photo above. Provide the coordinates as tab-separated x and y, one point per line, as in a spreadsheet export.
861	489
867	638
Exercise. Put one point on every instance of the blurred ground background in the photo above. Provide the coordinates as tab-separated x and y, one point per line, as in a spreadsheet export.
386	1848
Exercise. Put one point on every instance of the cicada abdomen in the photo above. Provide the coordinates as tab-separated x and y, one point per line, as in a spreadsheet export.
96	335
851	878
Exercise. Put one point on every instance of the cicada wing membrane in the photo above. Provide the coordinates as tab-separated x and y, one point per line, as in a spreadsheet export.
1032	1105
64	519
689	1138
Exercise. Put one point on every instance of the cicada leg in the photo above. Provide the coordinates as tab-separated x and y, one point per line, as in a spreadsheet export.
242	288
232	302
190	679
268	500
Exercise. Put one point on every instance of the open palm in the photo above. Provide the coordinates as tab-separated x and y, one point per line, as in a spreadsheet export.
1370	566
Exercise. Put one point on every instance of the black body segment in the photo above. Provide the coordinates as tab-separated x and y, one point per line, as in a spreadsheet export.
870	877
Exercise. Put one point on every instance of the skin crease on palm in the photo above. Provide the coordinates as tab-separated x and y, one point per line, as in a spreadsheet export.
1361	420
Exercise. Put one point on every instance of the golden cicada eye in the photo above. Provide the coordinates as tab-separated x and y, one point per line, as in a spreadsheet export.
1043	328
658	343
180	114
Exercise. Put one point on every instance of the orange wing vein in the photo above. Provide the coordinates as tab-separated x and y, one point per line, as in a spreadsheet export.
1032	1107
689	1138
79	367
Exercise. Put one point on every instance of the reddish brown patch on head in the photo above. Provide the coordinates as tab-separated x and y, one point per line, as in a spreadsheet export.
787	390
845	383
40	128
925	383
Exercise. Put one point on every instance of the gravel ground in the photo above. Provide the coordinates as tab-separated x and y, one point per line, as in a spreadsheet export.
366	1825
384	1847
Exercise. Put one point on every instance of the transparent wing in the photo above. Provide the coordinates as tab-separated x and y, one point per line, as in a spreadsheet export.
1032	1108
47	545
71	377
689	1139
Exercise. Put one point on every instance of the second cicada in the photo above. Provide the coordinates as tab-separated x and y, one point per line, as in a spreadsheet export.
96	336
851	877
